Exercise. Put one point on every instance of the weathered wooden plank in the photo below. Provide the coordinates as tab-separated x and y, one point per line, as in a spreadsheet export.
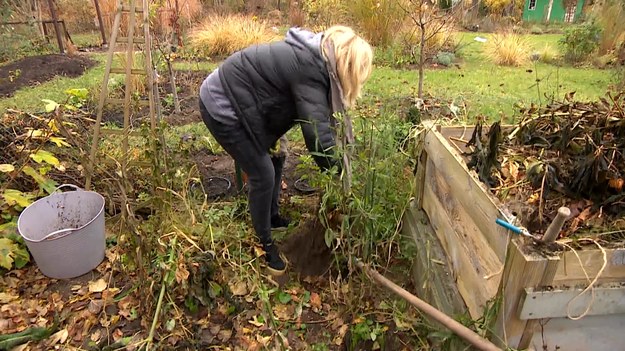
596	333
468	192
432	273
474	263
521	270
571	271
561	303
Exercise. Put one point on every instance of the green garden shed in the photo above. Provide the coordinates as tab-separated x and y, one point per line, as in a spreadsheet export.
552	10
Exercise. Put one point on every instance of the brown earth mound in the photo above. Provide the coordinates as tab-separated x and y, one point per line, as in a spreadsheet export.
35	70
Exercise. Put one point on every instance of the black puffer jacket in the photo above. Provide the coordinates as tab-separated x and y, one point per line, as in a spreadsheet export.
274	86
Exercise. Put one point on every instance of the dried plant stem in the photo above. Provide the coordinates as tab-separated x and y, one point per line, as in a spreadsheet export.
159	304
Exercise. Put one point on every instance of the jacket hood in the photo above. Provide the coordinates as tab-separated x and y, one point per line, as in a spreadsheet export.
305	39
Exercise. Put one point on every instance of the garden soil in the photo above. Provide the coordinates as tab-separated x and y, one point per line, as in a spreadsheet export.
34	70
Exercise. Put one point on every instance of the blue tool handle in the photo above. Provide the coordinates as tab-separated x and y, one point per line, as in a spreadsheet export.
507	225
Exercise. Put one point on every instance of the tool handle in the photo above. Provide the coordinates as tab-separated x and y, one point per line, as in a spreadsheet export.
556	226
508	226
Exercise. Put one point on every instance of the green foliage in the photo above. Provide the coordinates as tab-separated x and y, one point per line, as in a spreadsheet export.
26	179
580	41
444	58
15	44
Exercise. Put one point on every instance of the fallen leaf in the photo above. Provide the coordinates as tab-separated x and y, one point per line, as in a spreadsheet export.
96	335
263	340
182	274
315	300
6	297
616	184
257	321
117	334
59	337
283	312
97	286
338	339
224	335
239	288
95	306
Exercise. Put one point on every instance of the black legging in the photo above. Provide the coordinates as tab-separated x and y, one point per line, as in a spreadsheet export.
264	172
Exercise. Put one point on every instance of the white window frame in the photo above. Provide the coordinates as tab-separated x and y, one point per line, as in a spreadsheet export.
532	5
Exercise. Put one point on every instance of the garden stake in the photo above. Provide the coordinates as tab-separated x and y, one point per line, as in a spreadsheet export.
467	334
556	226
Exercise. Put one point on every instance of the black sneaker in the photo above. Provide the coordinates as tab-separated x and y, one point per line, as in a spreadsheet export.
280	223
276	262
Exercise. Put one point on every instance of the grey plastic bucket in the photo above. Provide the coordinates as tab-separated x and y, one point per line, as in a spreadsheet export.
64	232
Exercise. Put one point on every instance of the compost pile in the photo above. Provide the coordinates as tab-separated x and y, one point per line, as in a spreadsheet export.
568	153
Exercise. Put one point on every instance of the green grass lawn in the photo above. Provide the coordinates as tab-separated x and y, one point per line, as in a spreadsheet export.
485	89
492	90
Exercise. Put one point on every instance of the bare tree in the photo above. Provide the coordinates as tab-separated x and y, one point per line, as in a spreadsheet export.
429	20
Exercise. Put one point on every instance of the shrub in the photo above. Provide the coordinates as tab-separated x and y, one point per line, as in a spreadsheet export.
224	35
548	54
378	19
444	58
536	30
580	41
322	14
508	49
444	38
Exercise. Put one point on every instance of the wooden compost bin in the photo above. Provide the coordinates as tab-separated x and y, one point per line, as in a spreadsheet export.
537	293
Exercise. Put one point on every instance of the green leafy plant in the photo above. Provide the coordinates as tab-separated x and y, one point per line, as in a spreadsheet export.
444	58
580	41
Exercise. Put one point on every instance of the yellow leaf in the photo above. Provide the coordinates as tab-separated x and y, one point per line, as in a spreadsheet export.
16	197
59	141
97	286
35	133
45	156
6	297
6	168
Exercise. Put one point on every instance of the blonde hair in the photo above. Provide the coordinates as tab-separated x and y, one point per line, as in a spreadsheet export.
354	60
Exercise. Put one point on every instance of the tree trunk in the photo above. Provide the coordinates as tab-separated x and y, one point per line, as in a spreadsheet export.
421	60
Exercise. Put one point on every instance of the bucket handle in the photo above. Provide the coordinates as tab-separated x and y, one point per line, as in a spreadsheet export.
57	234
67	186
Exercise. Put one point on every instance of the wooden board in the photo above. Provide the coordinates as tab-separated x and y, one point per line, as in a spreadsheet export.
481	208
475	264
431	271
571	271
521	270
559	303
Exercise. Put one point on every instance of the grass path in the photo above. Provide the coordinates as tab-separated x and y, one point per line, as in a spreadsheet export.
492	90
486	89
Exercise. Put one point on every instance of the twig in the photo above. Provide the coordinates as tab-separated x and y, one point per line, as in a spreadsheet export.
159	304
540	200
